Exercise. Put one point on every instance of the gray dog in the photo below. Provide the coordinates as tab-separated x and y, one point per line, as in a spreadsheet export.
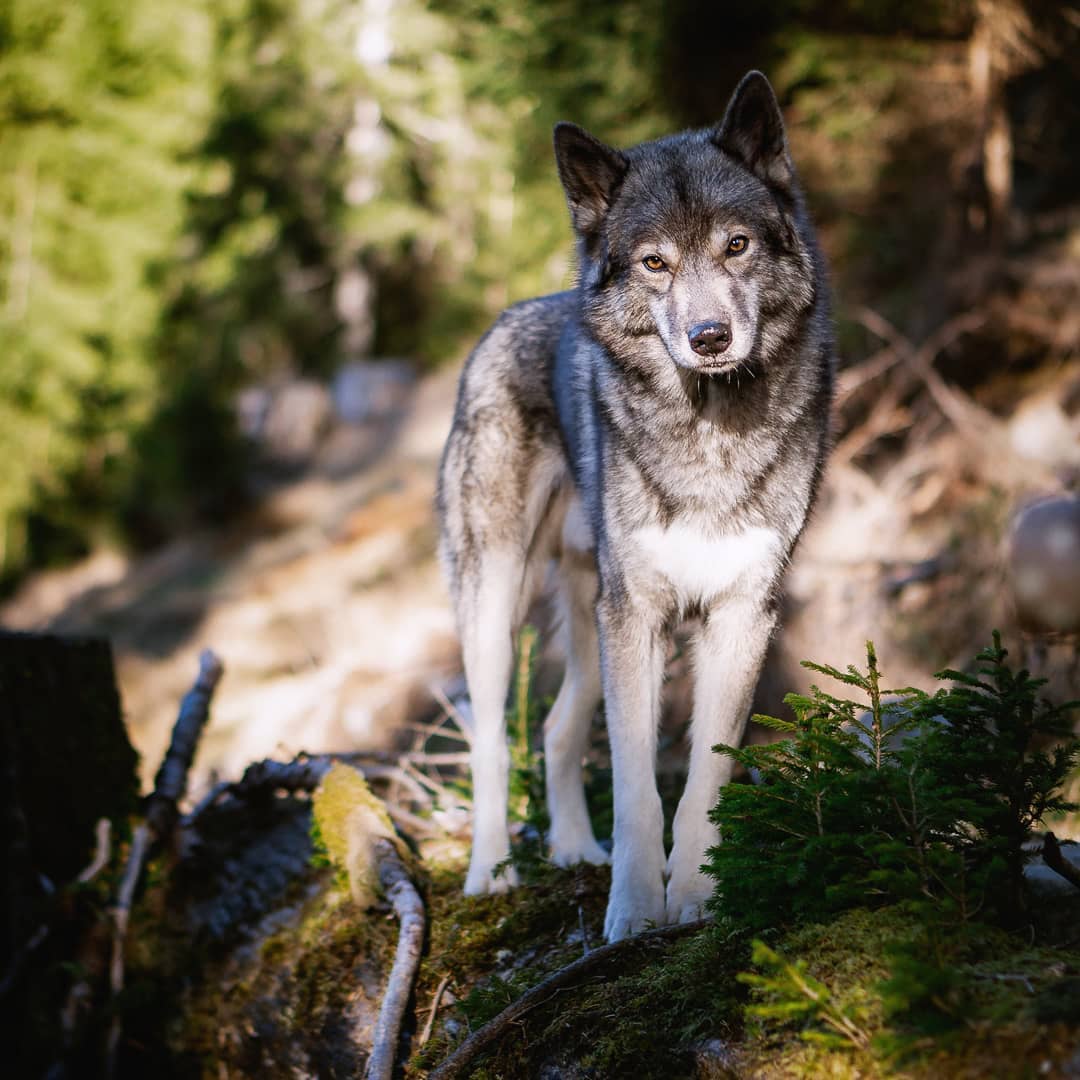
659	432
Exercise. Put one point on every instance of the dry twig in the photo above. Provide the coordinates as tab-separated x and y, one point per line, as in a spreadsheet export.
452	711
102	851
162	814
433	1011
305	773
409	909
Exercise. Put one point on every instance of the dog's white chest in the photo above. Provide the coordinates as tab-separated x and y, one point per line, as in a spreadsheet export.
701	567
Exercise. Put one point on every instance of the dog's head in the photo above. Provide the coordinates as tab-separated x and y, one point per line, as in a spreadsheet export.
698	240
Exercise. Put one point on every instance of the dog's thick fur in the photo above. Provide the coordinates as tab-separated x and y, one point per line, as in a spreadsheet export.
659	432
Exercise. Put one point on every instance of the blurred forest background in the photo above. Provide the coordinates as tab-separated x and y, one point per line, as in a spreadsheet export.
245	246
196	197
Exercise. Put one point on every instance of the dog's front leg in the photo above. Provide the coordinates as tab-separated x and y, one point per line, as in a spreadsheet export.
632	666
728	654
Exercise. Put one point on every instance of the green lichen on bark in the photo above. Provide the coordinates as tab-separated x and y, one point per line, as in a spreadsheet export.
349	819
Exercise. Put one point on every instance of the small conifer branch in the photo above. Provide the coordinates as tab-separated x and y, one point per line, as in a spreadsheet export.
831	1016
462	1060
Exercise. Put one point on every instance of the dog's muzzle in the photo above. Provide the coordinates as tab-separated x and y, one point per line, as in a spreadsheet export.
710	339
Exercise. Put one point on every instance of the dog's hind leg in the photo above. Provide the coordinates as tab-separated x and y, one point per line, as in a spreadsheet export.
566	730
489	597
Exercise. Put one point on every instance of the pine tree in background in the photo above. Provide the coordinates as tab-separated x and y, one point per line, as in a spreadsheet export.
249	293
196	195
99	100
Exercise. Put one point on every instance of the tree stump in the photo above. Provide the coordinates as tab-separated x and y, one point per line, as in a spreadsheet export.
65	763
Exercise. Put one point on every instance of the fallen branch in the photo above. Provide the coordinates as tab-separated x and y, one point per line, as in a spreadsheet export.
433	1011
441	791
453	712
162	808
1057	862
853	378
462	1059
409	908
303	774
102	851
162	814
359	836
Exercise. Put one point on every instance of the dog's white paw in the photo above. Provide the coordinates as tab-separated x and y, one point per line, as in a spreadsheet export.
631	910
571	852
481	880
686	898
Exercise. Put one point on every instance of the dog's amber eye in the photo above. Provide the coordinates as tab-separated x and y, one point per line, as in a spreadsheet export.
654	263
737	245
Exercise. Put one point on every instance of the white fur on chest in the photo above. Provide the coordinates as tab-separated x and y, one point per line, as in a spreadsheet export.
701	567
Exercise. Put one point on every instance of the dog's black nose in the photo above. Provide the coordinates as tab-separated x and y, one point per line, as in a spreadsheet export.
709	338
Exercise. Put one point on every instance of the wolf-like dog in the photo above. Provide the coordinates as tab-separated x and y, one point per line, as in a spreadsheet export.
659	433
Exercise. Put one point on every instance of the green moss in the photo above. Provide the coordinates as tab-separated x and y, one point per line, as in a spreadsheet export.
682	995
296	998
1013	997
667	997
349	819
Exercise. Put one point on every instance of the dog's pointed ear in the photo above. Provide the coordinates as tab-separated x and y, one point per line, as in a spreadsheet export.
591	173
752	132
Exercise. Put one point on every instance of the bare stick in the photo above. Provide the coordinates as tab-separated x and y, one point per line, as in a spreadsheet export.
417	825
162	813
171	781
303	773
1057	862
448	797
847	382
451	710
102	851
409	909
971	420
433	1011
440	729
460	1062
140	847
